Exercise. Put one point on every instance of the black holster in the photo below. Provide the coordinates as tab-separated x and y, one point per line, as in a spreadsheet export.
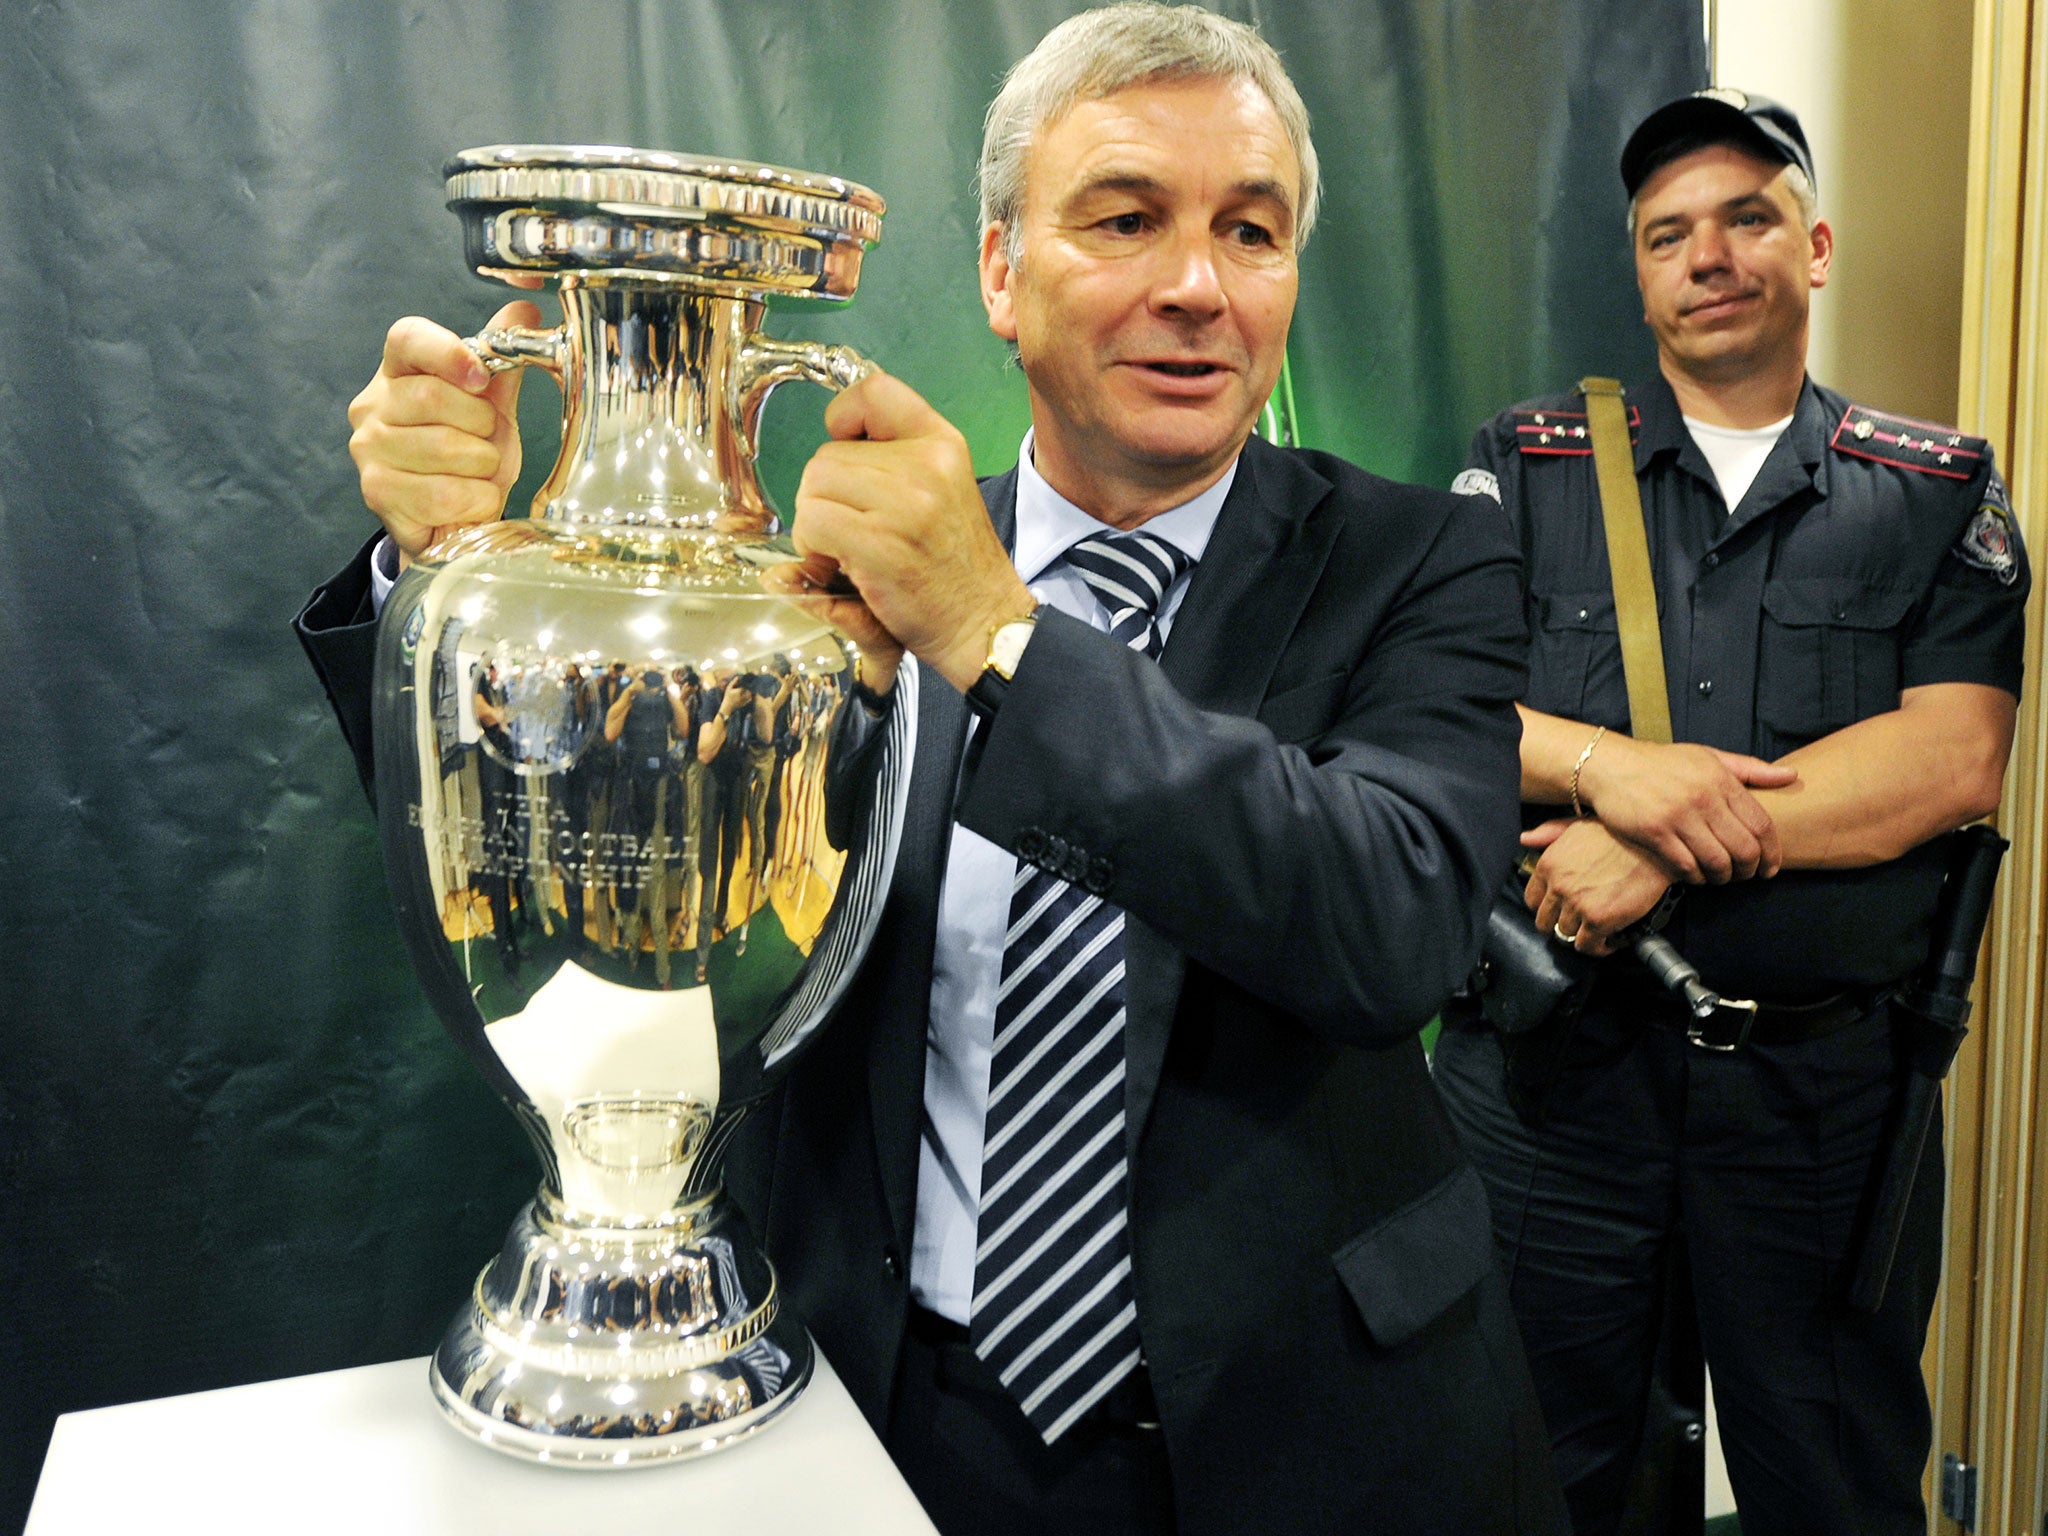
1530	991
1523	979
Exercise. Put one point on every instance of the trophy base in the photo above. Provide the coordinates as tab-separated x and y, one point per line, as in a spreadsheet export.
608	1347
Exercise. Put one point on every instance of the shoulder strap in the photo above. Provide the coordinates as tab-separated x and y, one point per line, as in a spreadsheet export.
1628	558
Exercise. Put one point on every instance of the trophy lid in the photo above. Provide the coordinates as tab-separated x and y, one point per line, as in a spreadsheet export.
596	209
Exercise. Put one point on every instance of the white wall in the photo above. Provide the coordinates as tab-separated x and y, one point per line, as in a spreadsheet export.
1883	90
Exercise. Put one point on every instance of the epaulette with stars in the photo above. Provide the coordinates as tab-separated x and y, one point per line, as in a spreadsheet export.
1561	432
1909	444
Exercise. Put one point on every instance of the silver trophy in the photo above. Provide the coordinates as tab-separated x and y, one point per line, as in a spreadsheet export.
638	814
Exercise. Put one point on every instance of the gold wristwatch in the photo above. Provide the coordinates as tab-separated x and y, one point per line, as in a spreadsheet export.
1006	644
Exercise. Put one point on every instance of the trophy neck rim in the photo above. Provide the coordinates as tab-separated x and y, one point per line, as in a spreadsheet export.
549	210
668	174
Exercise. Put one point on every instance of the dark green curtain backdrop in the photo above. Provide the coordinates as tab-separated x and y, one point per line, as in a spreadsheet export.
233	1143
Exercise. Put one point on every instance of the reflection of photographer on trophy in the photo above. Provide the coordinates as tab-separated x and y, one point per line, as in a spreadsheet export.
764	767
732	742
569	832
499	791
688	690
818	698
783	740
644	724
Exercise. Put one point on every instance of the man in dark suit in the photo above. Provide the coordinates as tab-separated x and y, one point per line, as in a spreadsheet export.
1118	1194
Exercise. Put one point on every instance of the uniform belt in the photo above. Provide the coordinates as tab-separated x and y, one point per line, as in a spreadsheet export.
1773	1023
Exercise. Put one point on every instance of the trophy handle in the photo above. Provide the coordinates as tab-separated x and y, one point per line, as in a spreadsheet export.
514	346
763	362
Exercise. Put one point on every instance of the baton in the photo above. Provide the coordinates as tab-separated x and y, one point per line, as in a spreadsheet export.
1937	1001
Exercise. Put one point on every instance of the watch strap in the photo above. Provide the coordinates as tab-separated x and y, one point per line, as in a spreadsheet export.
986	696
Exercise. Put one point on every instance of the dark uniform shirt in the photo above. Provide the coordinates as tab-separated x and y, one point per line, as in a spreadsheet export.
1871	554
645	734
703	710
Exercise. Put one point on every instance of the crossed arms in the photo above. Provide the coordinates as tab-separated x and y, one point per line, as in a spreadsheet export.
1657	814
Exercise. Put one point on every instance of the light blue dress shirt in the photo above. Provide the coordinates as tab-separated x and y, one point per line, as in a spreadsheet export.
974	913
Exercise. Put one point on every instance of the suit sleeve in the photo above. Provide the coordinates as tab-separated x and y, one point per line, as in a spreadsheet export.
339	633
1345	879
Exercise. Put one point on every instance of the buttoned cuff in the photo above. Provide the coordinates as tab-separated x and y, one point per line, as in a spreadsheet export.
1020	793
383	572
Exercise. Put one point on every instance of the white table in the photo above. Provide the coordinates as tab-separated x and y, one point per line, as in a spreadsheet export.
366	1450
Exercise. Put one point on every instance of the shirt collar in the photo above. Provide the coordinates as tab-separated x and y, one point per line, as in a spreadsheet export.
1048	524
1663	427
1764	434
1799	459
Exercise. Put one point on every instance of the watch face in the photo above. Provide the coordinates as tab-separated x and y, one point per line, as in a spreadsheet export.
1006	646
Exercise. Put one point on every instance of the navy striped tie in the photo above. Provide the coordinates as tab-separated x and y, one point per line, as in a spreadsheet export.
1054	1311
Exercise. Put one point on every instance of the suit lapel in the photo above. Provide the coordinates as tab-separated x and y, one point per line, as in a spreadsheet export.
1243	603
1254	579
896	1046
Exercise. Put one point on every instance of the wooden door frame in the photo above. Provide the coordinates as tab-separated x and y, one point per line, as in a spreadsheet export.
1985	1349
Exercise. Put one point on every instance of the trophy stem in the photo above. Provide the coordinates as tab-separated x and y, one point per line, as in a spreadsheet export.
649	437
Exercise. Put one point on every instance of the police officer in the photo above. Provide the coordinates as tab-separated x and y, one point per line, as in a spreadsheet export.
1840	595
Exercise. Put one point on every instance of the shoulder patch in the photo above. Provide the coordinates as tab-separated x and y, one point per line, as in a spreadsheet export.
1908	444
1989	543
1562	433
1477	482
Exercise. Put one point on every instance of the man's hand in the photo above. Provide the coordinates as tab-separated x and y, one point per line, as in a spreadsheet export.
436	438
813	585
892	505
1689	805
1590	884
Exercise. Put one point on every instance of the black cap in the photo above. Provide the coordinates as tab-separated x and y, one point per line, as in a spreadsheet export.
1717	115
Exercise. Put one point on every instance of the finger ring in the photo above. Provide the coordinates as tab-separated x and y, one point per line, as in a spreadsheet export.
1558	929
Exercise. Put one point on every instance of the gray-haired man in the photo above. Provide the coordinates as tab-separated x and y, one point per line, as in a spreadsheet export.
1118	1195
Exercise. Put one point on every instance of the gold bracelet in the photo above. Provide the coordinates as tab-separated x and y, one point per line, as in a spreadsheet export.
1578	809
